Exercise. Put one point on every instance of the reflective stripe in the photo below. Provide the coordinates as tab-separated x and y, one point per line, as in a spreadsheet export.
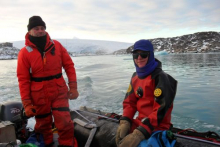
29	49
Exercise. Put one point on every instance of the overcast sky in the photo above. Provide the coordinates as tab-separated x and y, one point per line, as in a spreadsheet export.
113	20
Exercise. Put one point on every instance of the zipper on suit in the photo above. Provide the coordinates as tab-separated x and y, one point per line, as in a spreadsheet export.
44	58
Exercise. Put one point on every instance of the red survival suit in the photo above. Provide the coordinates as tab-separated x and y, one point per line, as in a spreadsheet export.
41	81
153	98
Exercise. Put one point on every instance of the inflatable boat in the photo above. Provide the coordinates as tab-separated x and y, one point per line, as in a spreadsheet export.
92	128
98	129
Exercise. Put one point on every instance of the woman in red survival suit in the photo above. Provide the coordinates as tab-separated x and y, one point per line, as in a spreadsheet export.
151	93
43	90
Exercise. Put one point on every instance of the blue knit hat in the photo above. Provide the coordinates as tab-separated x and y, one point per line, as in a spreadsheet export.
144	45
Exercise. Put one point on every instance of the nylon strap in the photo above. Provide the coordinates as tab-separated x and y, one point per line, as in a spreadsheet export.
43	115
40	79
61	109
89	126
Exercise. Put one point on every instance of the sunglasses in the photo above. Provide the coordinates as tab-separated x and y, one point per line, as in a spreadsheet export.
142	54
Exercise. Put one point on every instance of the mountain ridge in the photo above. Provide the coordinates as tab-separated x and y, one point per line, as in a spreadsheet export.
200	42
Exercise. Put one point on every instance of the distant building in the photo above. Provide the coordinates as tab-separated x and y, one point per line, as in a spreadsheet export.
6	44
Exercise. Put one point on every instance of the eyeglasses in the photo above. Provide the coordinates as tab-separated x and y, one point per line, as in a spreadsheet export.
142	54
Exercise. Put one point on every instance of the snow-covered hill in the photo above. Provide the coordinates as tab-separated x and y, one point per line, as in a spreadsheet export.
201	42
81	46
8	53
191	43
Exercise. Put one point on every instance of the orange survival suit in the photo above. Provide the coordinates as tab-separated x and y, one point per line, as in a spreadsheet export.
41	81
152	97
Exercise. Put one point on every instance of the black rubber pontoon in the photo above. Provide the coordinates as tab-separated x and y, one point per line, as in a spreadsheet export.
96	129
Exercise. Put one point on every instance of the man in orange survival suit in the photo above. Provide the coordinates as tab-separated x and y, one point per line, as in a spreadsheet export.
43	90
151	92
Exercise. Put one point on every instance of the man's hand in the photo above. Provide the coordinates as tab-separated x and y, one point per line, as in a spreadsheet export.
73	93
132	140
30	110
122	131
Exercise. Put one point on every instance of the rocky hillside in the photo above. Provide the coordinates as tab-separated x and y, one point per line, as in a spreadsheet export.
201	42
8	52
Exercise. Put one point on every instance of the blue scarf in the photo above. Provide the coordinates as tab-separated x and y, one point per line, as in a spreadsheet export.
147	69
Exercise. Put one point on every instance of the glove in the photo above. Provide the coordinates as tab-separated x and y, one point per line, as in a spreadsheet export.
122	131
133	139
73	93
30	110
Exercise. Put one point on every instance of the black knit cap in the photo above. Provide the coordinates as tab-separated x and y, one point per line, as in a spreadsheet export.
35	21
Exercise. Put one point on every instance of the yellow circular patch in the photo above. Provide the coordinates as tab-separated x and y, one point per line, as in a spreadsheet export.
157	92
129	88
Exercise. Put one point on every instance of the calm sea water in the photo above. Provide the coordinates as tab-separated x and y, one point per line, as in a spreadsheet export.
103	82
